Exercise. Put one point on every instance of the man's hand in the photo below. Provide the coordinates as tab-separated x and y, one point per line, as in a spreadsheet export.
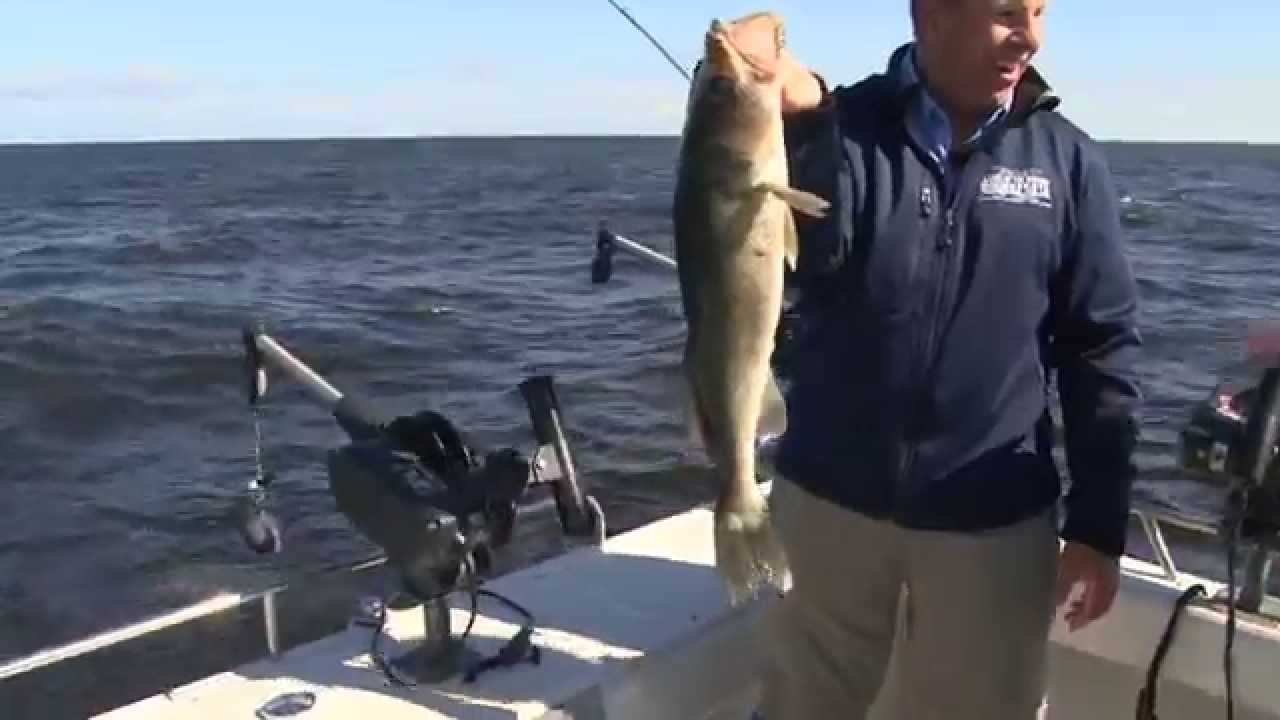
755	37
1097	574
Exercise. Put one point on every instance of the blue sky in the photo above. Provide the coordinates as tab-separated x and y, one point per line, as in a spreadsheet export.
143	69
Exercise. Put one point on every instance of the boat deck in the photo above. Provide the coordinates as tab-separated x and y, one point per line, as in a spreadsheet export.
595	610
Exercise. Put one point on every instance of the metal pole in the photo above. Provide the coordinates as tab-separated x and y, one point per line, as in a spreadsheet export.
316	385
114	637
162	621
271	622
643	252
1152	528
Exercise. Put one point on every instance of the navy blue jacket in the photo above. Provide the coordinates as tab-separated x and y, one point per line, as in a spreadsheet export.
938	309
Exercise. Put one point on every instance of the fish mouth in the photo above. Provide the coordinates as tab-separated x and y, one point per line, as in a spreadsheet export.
726	57
721	55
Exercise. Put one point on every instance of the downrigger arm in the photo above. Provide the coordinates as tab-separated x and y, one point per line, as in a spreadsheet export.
415	487
433	438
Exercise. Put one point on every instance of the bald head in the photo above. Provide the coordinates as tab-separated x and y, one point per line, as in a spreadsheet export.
974	52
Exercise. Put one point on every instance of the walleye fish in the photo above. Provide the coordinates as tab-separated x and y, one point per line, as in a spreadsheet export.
733	232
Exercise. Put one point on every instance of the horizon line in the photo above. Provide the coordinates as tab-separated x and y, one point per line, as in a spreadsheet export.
504	136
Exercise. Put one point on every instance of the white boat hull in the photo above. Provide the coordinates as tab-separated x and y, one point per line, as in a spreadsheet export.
640	629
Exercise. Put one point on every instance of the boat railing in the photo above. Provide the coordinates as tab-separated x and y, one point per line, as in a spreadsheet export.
220	603
1152	521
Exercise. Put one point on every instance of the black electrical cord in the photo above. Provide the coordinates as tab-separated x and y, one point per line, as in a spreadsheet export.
375	653
1147	695
1146	708
375	641
516	650
1238	507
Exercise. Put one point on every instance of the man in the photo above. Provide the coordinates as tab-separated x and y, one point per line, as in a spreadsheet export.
972	254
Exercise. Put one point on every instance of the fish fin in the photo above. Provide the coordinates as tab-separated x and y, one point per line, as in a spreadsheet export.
799	200
773	410
695	420
748	552
790	240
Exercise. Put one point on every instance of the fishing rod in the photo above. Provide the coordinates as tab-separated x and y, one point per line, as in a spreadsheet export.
679	68
607	242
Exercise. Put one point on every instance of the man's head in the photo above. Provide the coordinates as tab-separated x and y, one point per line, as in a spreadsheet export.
974	52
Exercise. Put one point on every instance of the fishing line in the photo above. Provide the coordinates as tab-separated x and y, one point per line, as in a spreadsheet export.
679	68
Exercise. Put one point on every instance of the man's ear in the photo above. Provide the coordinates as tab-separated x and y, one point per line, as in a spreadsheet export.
926	15
917	15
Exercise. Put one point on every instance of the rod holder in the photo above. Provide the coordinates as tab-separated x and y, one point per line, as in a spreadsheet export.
607	242
548	429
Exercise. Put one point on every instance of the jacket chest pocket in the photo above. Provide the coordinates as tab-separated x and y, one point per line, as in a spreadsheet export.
1019	237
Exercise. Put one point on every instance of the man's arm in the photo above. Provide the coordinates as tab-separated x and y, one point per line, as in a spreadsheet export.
812	138
1095	347
806	104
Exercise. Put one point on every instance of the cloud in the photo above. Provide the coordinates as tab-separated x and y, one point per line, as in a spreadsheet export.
320	104
1159	108
570	107
475	69
57	84
477	95
153	103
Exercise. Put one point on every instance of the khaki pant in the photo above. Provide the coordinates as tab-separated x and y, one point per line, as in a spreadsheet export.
971	640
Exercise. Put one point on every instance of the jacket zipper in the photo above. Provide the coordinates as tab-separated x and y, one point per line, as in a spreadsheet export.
940	282
966	179
942	247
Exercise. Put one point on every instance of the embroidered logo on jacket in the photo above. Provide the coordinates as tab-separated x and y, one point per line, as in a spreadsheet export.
1019	187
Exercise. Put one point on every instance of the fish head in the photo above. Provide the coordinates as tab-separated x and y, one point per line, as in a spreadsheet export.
736	87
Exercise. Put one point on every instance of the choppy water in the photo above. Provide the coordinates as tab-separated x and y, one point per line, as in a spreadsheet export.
419	273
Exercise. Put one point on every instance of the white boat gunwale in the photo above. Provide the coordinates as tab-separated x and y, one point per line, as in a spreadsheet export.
1150	520
1151	586
1126	638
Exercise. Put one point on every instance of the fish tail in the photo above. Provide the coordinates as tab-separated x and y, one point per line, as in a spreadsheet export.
749	554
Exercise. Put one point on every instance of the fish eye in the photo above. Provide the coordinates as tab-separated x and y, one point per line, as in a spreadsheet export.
720	85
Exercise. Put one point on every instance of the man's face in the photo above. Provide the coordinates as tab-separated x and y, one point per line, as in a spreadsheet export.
980	48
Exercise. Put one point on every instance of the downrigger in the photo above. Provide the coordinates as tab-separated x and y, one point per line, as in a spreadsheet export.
1231	440
436	506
